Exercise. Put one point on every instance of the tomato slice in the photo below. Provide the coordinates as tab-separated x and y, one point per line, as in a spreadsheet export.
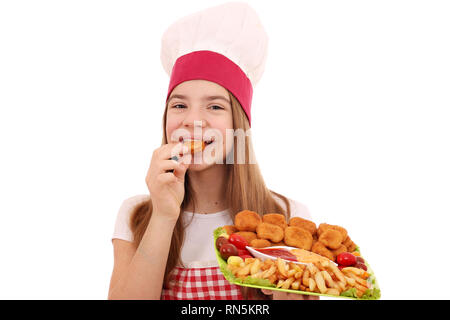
238	241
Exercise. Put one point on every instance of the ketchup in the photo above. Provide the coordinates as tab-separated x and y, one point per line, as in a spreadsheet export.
278	253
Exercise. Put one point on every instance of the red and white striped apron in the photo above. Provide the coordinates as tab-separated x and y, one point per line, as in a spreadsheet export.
206	283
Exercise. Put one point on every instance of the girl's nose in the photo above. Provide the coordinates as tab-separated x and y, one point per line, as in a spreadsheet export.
194	119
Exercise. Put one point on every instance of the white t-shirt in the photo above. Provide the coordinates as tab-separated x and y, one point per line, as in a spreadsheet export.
198	247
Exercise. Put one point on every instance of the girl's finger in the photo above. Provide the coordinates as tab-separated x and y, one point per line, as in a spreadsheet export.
168	165
170	150
166	178
180	171
311	297
267	292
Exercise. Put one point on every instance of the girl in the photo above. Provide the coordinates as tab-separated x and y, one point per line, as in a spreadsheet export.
163	242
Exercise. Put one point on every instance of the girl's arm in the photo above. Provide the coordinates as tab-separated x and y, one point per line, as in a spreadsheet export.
138	274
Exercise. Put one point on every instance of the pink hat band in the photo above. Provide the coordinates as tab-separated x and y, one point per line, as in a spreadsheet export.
215	67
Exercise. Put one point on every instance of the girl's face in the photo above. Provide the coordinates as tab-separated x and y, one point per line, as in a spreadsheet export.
200	110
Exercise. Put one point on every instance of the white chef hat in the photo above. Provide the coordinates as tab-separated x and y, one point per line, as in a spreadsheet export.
225	44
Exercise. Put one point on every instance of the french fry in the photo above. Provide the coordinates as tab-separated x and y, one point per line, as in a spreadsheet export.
318	277
287	283
319	266
280	283
295	285
360	287
249	260
312	284
265	266
244	271
359	280
305	278
324	263
291	273
302	287
273	278
341	285
312	269
269	272
298	275
233	269
258	275
332	291
350	281
255	266
282	267
297	267
338	273
357	271
329	281
292	266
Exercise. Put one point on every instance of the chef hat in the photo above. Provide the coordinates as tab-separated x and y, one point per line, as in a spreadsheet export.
225	44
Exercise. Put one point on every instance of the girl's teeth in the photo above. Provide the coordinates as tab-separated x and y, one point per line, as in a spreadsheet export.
190	140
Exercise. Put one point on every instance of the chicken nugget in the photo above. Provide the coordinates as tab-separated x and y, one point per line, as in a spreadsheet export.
303	223
247	235
247	220
230	229
275	218
324	226
281	243
260	243
331	238
270	232
298	237
351	246
339	250
320	249
195	146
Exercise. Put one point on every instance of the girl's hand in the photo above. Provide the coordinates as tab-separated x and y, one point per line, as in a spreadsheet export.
167	188
280	295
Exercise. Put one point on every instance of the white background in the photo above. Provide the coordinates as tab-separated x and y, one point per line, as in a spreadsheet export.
357	94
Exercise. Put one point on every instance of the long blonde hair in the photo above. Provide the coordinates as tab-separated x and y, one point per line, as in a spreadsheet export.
245	189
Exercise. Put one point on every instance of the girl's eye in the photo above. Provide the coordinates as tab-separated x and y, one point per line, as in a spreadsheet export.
216	107
178	105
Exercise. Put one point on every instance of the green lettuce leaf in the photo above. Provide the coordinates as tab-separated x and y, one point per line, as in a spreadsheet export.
349	293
